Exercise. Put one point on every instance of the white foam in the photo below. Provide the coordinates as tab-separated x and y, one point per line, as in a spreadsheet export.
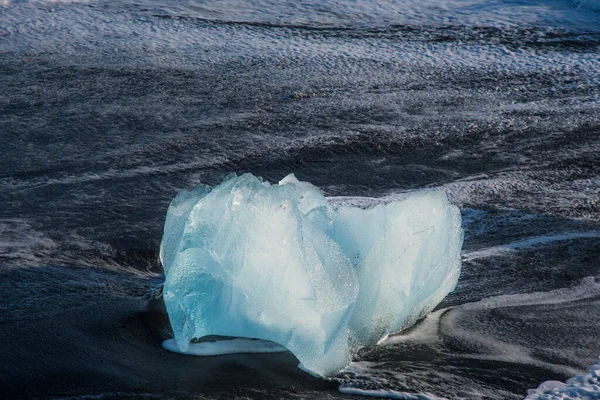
388	394
20	243
373	379
450	321
498	349
221	347
526	243
426	331
588	287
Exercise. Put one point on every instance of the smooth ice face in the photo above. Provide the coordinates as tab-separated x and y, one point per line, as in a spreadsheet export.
280	263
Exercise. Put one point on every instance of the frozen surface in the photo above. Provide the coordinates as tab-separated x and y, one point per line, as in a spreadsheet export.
280	263
586	386
240	345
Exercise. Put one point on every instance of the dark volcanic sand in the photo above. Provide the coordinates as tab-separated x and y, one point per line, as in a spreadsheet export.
108	109
106	341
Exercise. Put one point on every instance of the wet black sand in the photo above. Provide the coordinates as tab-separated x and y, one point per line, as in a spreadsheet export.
99	132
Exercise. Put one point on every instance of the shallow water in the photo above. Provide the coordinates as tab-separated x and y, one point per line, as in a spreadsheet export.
107	109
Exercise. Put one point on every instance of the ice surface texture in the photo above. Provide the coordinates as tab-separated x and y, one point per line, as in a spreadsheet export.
280	263
586	386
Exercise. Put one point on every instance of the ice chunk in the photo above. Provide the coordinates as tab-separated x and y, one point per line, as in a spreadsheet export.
407	257
280	263
231	346
586	386
252	260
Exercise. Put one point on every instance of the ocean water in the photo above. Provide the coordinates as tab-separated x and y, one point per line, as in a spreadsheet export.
108	108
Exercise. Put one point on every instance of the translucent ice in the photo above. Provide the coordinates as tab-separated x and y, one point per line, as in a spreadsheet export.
280	263
586	386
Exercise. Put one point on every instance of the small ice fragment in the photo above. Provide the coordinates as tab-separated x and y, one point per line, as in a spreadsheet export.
586	386
220	347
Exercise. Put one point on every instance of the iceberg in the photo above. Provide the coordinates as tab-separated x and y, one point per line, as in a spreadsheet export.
281	263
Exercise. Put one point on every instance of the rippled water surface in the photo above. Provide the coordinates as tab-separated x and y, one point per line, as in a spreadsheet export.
107	109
